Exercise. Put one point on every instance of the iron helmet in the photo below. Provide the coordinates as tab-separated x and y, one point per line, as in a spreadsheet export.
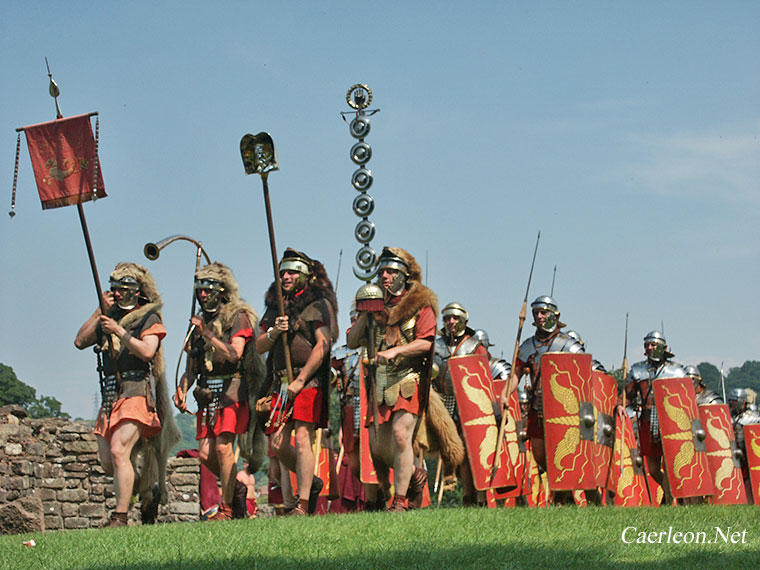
390	260
135	285
546	303
695	375
456	310
656	353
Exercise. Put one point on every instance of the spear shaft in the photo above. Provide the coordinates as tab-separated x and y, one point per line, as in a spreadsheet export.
504	415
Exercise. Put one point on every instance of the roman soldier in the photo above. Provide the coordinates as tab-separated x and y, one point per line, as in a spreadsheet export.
456	338
743	413
404	338
310	321
220	364
134	398
658	364
548	338
705	396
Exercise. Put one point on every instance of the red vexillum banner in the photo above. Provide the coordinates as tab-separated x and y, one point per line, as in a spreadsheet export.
63	156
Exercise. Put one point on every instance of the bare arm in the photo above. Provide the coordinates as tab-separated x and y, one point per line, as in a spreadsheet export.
143	348
231	351
87	336
418	347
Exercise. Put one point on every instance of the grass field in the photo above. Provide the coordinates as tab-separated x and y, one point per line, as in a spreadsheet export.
564	537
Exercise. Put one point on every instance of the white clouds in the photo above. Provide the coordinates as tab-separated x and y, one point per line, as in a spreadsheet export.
721	165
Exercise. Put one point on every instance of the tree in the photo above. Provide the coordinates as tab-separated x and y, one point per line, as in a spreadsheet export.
710	376
745	376
14	391
47	407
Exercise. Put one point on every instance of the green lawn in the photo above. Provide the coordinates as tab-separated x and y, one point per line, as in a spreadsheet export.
564	537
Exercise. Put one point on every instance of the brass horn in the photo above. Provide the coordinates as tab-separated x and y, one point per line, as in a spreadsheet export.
153	250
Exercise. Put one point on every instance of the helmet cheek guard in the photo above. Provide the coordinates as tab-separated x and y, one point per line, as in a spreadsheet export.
129	292
214	290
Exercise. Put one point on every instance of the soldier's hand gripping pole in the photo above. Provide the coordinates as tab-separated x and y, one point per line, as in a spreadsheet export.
504	411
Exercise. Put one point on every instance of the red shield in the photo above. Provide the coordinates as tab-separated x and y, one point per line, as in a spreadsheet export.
569	423
683	438
752	440
721	455
473	389
605	398
629	483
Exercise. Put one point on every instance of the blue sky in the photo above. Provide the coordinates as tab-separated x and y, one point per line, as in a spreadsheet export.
626	132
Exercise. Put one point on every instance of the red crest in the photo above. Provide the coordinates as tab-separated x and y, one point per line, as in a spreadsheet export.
683	438
569	423
473	389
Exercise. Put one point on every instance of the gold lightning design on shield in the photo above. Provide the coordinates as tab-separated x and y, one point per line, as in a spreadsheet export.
718	431
478	395
754	443
570	401
686	452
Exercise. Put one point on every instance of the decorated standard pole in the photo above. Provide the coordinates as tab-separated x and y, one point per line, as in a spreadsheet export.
504	414
359	97
259	157
64	155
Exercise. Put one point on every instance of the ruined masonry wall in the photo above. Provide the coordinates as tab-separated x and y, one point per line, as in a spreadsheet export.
50	478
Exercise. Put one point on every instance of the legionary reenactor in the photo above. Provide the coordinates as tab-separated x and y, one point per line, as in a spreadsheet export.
548	338
456	338
310	321
404	338
135	400
705	396
217	361
658	364
740	402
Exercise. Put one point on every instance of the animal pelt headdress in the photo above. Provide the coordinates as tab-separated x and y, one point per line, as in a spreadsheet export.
416	297
318	286
149	456
232	303
149	300
253	441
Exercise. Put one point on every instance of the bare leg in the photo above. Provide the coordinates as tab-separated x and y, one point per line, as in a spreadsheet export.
123	439
225	455
304	457
403	454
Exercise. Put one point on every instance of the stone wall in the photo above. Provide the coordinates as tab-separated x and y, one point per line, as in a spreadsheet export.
50	478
